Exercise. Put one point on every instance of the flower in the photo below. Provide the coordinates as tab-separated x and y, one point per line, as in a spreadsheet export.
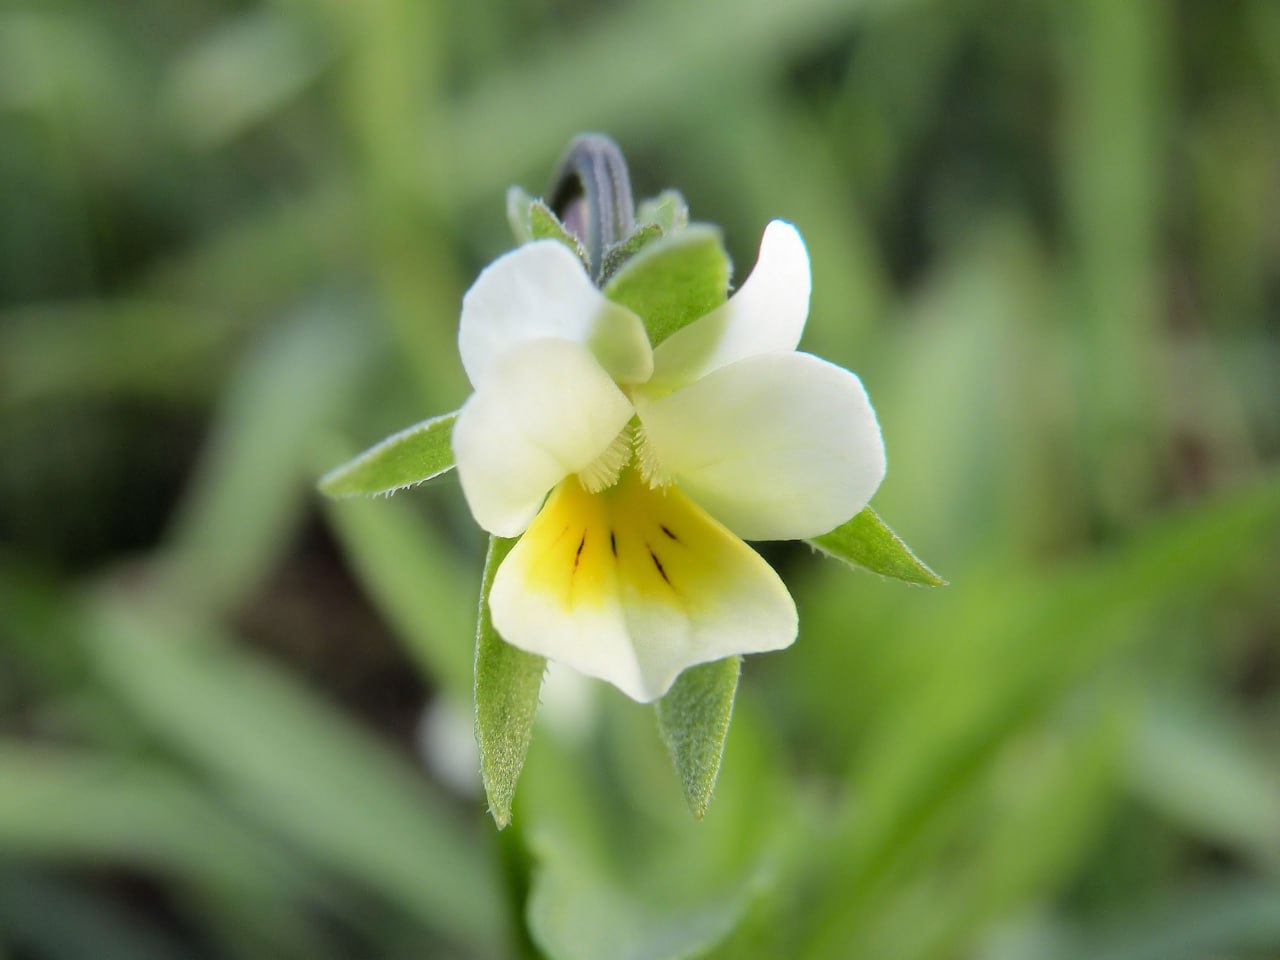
659	462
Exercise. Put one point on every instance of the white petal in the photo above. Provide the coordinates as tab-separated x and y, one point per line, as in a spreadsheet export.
633	585
766	315
546	410
541	290
775	447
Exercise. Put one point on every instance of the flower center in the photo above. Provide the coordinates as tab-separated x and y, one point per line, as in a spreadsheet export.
631	444
603	472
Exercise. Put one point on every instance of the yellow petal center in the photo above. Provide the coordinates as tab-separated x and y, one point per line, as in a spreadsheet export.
648	543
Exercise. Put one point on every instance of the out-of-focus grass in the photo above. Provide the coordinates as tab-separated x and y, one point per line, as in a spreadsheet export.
233	242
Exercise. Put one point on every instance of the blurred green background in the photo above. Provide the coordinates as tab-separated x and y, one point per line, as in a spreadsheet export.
233	241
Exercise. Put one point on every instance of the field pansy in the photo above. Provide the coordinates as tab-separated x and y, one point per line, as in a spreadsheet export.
633	474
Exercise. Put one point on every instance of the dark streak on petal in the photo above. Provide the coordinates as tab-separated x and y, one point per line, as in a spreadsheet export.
667	531
613	543
658	563
578	556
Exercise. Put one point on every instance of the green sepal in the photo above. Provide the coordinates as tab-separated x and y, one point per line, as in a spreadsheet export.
668	210
674	281
412	456
693	719
520	214
547	226
532	219
865	541
620	253
508	681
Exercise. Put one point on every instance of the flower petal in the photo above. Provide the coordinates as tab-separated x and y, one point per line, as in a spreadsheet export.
546	410
541	290
766	315
633	585
775	447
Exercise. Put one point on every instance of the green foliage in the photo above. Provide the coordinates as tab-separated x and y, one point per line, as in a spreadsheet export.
506	693
295	764
637	876
576	915
408	567
673	281
545	225
694	721
864	541
1199	769
620	253
246	495
520	214
531	219
668	210
405	459
68	804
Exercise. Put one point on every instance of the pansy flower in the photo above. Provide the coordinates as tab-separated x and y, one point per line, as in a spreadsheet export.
633	474
629	430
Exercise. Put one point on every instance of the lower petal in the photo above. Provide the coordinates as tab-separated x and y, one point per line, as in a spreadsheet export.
633	585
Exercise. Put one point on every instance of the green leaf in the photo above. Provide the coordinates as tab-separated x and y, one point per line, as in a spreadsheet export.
295	763
866	542
412	456
507	684
545	225
674	281
624	872
668	210
1197	769
694	720
64	805
241	74
577	914
620	253
1228	918
410	571
254	477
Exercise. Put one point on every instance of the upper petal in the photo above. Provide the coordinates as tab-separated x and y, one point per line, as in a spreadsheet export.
542	290
633	585
547	410
776	447
767	314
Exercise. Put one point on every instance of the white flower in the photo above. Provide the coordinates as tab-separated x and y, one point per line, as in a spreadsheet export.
659	462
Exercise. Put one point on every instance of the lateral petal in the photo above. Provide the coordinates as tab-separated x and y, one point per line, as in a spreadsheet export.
776	447
767	314
545	410
633	585
542	290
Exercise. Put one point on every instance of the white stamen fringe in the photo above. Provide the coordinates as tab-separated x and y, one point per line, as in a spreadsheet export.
603	472
647	460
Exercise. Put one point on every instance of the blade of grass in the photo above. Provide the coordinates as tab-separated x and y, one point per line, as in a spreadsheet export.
297	765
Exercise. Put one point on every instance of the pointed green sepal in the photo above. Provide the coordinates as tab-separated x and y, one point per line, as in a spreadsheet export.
532	219
545	225
520	214
674	281
405	459
508	681
865	541
693	719
668	210
620	253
